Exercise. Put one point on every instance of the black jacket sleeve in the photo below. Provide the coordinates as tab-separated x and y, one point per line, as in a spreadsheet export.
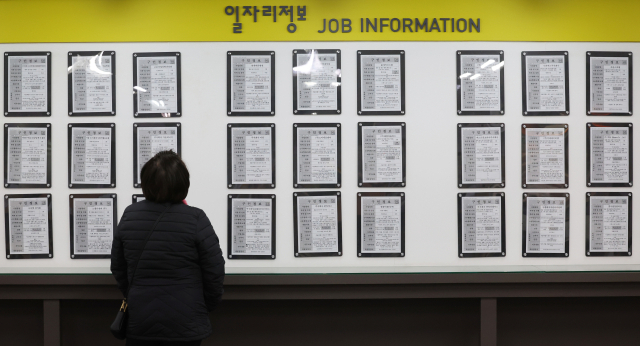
210	260
118	261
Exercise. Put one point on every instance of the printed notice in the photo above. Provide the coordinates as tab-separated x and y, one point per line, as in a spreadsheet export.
152	140
27	155
138	198
482	224
317	81
609	84
609	224
251	83
382	154
317	224
91	83
157	88
609	153
381	225
546	224
91	155
481	155
481	82
317	155
381	82
93	226
251	226
545	156
546	83
252	155
28	83
28	226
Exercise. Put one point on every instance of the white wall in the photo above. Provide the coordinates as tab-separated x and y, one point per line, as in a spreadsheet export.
431	210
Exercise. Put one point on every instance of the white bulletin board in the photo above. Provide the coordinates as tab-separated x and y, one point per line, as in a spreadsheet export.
431	119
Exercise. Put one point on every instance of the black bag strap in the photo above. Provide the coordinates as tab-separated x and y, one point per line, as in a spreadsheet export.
143	247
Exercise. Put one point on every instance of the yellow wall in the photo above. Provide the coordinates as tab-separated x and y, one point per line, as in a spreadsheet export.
205	20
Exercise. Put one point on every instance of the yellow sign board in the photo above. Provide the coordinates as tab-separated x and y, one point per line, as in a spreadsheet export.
317	20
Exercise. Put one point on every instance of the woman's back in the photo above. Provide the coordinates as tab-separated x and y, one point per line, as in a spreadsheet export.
179	276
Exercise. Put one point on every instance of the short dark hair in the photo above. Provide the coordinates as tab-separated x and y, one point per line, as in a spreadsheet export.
165	178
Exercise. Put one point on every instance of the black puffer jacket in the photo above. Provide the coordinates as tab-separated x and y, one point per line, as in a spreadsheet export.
179	276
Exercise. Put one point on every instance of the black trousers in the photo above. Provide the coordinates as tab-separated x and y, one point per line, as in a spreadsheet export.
134	342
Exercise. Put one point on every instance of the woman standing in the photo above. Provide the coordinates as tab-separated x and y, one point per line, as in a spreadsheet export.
174	254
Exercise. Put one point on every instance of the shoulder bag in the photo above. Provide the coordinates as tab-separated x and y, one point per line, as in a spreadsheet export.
119	325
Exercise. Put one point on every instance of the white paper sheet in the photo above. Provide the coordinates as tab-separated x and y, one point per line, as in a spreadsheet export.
382	154
252	155
545	156
251	226
481	155
251	83
91	83
546	83
28	226
152	140
482	225
481	82
27	83
381	82
609	224
317	81
381	224
91	155
93	226
546	224
609	153
317	224
157	89
27	159
609	84
317	155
